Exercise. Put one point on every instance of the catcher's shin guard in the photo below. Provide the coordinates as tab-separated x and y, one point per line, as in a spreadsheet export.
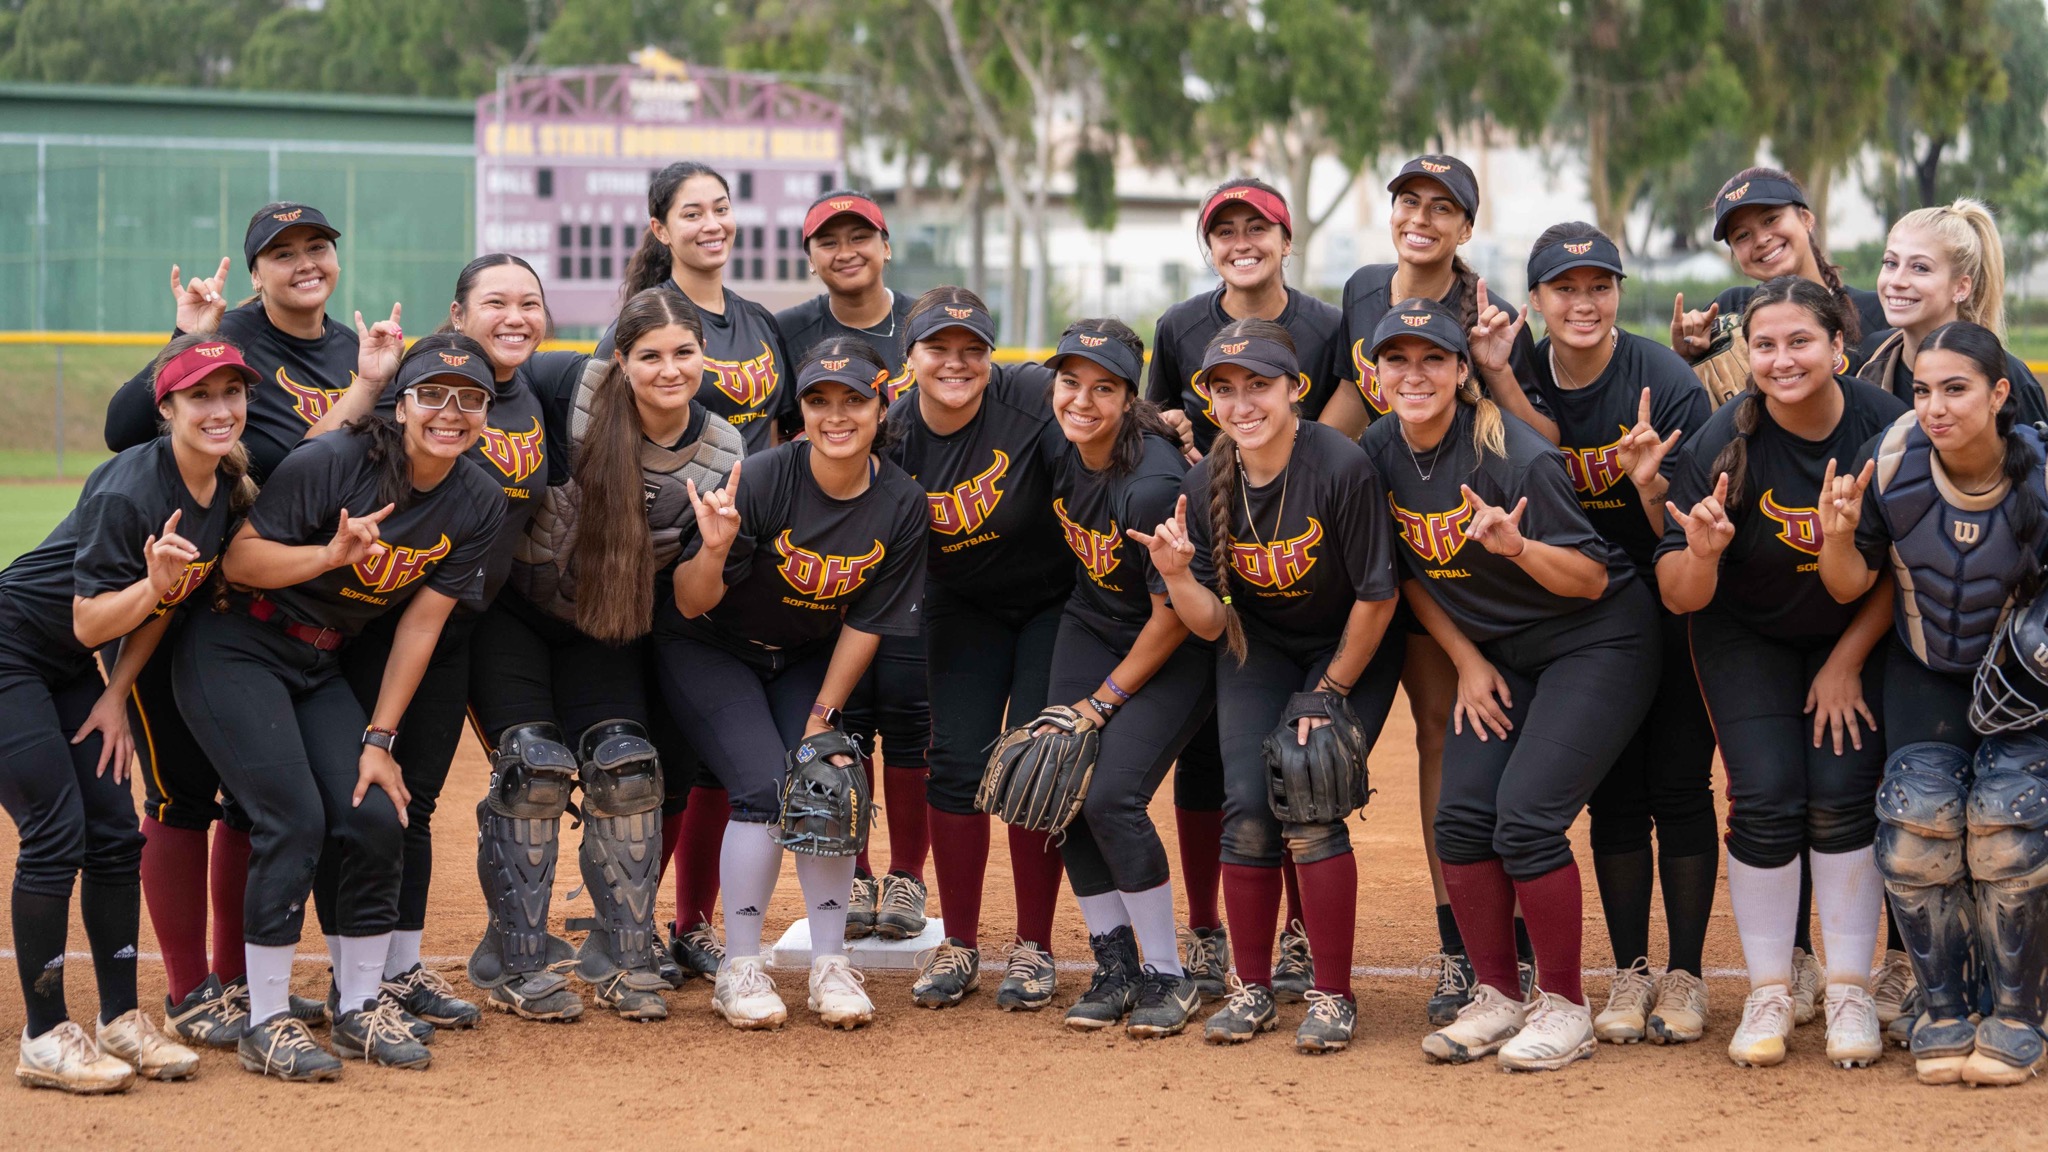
620	855
826	808
518	838
2008	818
1922	817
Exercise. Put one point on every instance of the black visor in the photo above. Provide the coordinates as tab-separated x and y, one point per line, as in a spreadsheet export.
1550	262
1260	357
1104	350
1753	191
944	316
1427	319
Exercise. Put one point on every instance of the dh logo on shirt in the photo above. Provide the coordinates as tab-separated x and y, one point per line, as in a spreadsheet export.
1595	470
1369	380
824	577
746	383
187	583
1799	528
515	454
1278	565
397	565
1098	551
309	402
898	384
1434	536
966	506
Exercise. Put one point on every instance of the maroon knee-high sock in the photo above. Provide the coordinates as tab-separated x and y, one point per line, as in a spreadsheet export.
228	879
1329	896
1035	867
960	857
910	832
1201	863
1553	906
1251	896
1292	878
671	831
702	833
1483	900
174	885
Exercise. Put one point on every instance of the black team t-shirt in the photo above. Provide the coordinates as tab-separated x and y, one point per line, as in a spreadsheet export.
804	562
988	486
441	539
749	374
1304	547
1368	296
810	323
97	548
1487	596
1770	573
1593	420
301	380
1113	577
1184	332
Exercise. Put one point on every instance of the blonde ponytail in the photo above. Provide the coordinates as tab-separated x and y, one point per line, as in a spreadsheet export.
1489	432
1967	234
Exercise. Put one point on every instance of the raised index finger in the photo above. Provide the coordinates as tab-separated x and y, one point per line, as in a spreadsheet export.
1643	408
1678	308
1180	512
171	525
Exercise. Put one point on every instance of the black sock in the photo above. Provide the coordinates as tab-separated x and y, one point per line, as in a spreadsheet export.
1688	904
1447	931
113	916
1802	937
1892	942
1525	952
1626	880
40	927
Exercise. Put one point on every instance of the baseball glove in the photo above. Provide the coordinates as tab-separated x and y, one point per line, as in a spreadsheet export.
1324	780
1038	782
1724	370
826	809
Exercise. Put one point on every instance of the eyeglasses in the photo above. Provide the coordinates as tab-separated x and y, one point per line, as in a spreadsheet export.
436	396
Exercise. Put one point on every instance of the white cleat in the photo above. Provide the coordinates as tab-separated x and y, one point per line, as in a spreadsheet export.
134	1038
837	995
1855	1039
745	995
1485	1023
1626	1019
65	1058
1807	980
1759	1040
1556	1032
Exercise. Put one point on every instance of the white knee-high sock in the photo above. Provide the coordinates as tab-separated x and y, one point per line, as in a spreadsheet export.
361	969
1103	913
749	861
1849	892
827	882
270	979
1766	902
1152	919
404	955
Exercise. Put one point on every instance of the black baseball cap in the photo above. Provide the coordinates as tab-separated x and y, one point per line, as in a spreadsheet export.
943	316
265	228
1755	190
1255	354
1553	260
447	366
1423	317
1103	349
845	370
1454	174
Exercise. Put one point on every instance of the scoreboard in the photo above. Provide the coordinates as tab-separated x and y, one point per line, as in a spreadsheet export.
564	157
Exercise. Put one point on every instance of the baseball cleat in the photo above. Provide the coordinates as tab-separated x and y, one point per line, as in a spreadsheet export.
1556	1032
1525	971
1626	1019
1029	979
66	1059
1166	1002
1759	1040
1900	1031
1205	956
745	995
1248	1012
544	996
1808	978
427	996
378	1033
899	912
1486	1022
1294	971
283	1047
134	1037
1941	1048
837	995
637	1004
1680	1016
1113	990
305	1008
1454	982
1854	1038
697	950
860	907
1329	1025
419	1029
1891	984
2008	1052
662	961
946	975
207	1015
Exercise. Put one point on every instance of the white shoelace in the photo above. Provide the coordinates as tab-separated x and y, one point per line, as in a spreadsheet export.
1028	964
948	960
1632	985
747	979
1450	975
902	896
1767	1011
842	979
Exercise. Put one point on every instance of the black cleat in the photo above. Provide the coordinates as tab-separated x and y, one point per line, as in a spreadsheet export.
1454	982
697	950
208	1016
427	996
1248	1012
860	910
1294	973
1165	1005
380	1035
283	1046
1205	954
899	907
331	1010
948	973
1329	1025
1114	989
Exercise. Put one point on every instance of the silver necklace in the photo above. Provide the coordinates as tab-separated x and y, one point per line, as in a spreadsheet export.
1436	455
1571	381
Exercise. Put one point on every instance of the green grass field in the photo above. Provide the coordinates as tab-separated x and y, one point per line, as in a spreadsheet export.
29	511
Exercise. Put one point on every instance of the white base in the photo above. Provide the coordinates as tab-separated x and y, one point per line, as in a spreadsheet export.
794	949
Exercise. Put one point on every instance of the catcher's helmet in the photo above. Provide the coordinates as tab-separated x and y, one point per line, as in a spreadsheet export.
2011	689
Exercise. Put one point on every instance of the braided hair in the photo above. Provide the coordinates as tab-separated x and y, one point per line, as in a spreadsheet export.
1224	478
1980	346
1820	303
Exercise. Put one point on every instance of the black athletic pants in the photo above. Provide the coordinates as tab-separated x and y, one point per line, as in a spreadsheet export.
741	712
892	701
1198	777
1581	684
275	715
1784	794
1922	704
1666	771
179	786
527	667
982	661
1112	845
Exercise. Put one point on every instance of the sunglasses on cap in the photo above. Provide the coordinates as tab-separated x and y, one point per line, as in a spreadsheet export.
435	397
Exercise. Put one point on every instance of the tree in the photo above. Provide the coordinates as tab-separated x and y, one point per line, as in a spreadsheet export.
1953	64
157	42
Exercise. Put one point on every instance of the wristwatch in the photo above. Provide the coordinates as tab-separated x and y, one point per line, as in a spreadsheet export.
829	715
375	737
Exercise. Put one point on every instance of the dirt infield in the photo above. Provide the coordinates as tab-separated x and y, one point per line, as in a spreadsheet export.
974	1077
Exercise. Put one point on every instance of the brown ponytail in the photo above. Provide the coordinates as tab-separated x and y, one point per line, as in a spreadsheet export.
1223	481
1469	303
652	262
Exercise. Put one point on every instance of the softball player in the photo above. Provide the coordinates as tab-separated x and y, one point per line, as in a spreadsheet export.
761	649
1121	657
1622	403
307	363
1314	573
980	438
1435	201
379	517
846	238
1545	623
1950	501
1741	553
146	533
